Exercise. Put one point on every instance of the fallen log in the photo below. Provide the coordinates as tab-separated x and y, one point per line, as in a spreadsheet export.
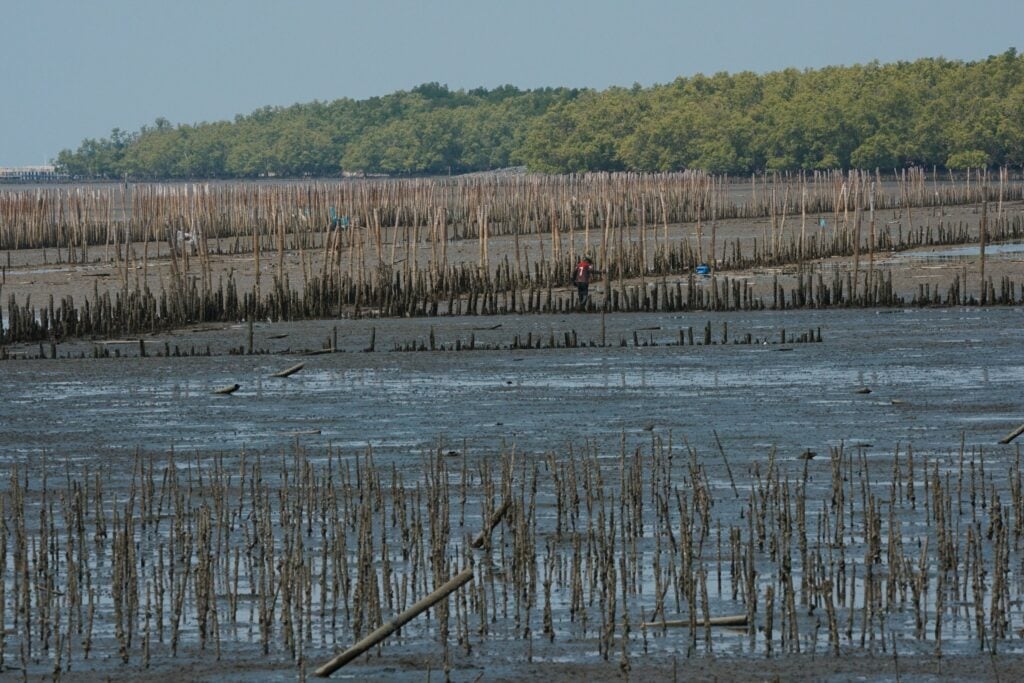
732	620
288	372
1012	435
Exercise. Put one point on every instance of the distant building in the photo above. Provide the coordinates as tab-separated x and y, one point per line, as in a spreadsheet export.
30	173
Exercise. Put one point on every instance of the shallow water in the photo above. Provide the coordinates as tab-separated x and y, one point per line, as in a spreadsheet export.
1003	249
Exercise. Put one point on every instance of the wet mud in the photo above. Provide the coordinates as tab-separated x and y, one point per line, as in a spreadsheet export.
934	373
725	430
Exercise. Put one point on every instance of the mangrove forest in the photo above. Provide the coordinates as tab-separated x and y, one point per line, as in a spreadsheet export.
931	112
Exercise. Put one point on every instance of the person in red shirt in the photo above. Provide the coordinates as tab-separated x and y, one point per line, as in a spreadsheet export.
581	278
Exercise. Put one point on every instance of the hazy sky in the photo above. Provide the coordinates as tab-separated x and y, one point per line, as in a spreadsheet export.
74	69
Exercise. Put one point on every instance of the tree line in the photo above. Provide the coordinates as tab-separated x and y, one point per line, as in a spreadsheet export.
929	112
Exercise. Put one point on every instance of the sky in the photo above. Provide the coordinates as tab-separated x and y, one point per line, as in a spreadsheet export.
74	69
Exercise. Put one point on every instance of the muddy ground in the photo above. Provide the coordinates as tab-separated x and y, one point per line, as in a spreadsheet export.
939	380
933	374
808	667
40	273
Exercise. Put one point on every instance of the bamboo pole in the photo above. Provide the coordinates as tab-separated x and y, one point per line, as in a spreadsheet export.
982	234
288	372
731	620
1012	435
485	533
452	585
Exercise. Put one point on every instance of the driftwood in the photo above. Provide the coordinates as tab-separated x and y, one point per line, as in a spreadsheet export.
734	620
1012	435
288	372
230	389
453	584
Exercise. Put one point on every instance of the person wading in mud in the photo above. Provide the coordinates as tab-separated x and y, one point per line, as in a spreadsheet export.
581	278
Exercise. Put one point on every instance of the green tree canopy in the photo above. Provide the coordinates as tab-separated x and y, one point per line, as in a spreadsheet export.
927	112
